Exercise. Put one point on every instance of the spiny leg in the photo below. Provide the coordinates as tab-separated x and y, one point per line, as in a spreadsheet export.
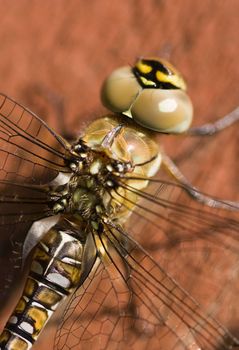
219	125
174	171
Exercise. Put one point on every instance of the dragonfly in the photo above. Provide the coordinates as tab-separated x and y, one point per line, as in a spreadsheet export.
79	210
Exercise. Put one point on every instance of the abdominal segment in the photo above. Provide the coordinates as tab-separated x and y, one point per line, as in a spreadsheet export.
54	273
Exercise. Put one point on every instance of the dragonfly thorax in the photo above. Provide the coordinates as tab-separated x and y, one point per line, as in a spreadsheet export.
89	193
108	161
89	197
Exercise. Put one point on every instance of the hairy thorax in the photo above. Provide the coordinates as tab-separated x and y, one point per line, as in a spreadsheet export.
112	162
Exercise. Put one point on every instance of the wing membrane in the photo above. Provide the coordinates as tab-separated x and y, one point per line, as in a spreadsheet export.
20	206
31	154
129	300
177	217
22	203
133	303
29	150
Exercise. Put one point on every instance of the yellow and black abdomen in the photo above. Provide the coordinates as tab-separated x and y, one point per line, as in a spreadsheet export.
55	271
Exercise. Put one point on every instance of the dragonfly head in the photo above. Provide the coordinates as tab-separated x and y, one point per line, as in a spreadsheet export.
152	93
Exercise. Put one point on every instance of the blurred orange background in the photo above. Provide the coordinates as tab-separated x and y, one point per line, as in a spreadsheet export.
66	48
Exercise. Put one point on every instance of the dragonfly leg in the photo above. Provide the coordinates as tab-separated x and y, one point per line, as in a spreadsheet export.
174	171
212	128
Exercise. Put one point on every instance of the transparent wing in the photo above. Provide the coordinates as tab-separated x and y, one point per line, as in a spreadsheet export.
29	150
31	154
20	206
132	302
20	203
177	217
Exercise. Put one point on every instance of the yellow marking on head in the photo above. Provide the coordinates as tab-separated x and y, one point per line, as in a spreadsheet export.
147	82
143	67
174	79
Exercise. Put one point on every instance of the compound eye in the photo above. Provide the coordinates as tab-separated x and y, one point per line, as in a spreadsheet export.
167	111
152	93
120	90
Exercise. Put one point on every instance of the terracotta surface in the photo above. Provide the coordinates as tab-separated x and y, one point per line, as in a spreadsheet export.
66	48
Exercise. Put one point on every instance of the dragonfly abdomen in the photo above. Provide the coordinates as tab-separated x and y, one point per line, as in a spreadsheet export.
54	273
